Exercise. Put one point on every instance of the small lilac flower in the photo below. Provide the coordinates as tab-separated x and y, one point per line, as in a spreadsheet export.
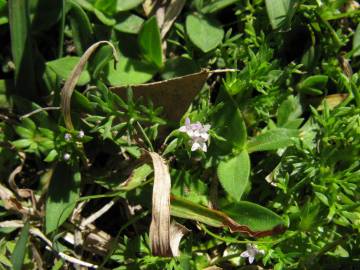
67	136
81	134
67	156
198	134
250	252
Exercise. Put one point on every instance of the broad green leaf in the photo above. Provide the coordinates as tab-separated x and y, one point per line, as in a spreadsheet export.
289	110
272	139
123	5
18	255
63	67
217	5
244	217
128	23
21	48
280	13
150	42
63	192
313	84
129	71
234	174
204	33
81	28
106	6
229	124
254	216
356	41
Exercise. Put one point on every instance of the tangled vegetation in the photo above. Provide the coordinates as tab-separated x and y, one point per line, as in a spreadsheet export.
219	134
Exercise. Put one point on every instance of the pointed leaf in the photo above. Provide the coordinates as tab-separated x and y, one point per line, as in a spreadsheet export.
229	124
280	12
17	258
63	192
234	174
272	140
150	42
356	41
205	33
244	217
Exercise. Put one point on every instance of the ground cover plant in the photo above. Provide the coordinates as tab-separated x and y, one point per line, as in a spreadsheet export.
219	134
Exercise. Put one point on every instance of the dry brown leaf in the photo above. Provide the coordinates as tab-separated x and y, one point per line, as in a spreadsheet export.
332	101
177	231
11	203
174	95
160	222
70	83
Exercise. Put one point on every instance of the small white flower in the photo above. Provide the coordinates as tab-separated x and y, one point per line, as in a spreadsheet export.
81	134
250	252
67	136
198	134
67	156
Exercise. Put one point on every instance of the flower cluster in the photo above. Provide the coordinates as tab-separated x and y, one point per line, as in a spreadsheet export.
198	134
250	252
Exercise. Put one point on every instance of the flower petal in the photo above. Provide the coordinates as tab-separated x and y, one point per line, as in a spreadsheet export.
183	129
251	259
245	254
195	146
187	121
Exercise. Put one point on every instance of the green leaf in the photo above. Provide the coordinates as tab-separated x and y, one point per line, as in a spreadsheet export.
129	71
81	28
234	174
106	6
245	217
18	255
128	23
22	143
254	216
150	42
63	192
289	110
63	67
313	84
280	13
217	5
204	33
21	48
229	124
272	139
123	5
53	154
356	41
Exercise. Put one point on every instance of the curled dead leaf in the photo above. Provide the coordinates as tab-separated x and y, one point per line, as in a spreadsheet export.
70	83
177	231
160	221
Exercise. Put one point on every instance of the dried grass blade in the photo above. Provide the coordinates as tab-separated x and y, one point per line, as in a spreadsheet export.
160	222
70	83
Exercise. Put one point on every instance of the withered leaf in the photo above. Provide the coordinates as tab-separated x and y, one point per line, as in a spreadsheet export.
68	89
160	222
174	95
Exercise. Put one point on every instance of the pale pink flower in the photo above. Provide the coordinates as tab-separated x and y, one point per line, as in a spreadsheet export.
198	134
250	252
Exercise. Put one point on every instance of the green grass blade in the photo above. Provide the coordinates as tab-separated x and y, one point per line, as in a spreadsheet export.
18	255
21	48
